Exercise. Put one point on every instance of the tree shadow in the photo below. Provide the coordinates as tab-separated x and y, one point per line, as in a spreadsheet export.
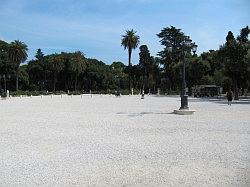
234	102
142	113
222	101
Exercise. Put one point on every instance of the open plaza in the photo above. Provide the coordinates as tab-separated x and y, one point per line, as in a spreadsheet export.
105	140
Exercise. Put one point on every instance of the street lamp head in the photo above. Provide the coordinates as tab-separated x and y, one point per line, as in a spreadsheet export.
194	48
169	49
188	41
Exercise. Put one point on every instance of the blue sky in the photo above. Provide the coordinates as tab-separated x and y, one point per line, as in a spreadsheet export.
95	26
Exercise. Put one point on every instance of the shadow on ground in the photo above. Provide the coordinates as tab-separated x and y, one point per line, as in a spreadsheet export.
219	100
142	113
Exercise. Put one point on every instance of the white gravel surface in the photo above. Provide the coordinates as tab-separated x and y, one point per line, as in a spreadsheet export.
126	141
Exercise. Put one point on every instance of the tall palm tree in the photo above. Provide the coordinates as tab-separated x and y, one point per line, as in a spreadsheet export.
17	54
130	41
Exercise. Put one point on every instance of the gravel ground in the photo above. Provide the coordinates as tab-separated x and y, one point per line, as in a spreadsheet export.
126	141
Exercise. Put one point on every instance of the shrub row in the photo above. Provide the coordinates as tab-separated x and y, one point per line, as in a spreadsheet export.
37	93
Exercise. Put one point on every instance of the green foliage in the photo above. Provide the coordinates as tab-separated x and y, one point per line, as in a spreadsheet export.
34	93
243	37
146	66
118	76
24	93
23	77
3	95
219	77
75	93
234	53
248	64
17	53
207	79
130	41
227	84
97	75
175	39
179	43
36	73
197	68
145	60
5	64
39	54
57	73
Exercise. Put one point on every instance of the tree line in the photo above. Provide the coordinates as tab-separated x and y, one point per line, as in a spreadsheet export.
228	67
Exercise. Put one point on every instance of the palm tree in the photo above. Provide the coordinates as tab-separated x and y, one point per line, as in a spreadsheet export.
17	54
130	41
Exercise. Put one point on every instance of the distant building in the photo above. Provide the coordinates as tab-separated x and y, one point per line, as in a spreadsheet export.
206	90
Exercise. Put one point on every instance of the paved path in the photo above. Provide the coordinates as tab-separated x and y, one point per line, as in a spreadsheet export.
109	141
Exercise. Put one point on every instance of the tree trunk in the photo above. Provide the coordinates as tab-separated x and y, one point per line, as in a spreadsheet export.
171	85
45	80
75	82
130	67
236	90
0	86
17	79
190	93
54	82
143	85
243	91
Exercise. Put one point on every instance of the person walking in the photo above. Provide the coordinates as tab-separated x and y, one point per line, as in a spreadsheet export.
142	93
229	97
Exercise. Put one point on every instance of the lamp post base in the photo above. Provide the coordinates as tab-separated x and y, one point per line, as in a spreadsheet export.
184	112
184	109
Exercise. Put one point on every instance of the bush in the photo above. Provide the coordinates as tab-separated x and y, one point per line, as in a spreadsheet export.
29	93
58	92
75	93
4	95
35	93
173	92
43	92
18	93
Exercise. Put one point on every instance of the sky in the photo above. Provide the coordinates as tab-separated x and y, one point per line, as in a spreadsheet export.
95	27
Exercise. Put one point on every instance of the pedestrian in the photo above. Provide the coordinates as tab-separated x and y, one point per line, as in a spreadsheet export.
229	97
142	94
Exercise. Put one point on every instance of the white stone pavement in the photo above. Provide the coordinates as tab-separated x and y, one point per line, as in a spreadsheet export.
126	141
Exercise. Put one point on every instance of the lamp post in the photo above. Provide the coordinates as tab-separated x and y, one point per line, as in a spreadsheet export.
185	48
184	96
